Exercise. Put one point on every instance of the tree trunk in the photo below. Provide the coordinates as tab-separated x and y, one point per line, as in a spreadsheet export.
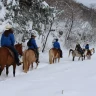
47	35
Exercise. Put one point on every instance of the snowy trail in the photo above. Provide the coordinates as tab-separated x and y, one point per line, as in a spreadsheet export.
75	78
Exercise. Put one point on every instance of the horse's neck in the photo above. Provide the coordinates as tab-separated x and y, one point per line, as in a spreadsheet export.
19	48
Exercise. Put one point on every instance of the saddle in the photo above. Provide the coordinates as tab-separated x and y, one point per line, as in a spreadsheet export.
58	50
80	51
34	51
11	52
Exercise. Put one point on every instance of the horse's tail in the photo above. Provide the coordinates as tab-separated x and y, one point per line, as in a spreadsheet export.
50	56
70	51
25	66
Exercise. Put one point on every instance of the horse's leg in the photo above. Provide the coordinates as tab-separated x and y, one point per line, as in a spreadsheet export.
50	57
53	60
36	65
78	58
23	66
1	69
14	67
28	65
73	58
32	66
7	70
58	60
84	57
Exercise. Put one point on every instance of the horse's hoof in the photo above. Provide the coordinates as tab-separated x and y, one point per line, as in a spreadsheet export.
25	71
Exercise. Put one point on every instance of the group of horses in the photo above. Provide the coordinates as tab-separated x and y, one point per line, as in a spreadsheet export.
85	53
7	59
54	54
29	57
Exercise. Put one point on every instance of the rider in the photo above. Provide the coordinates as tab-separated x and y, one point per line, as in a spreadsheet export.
79	49
8	40
57	46
32	45
87	47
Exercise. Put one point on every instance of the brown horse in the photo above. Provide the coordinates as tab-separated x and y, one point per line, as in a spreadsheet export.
54	54
89	53
7	58
29	57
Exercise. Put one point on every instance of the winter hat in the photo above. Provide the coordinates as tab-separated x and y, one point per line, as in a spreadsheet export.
33	35
8	27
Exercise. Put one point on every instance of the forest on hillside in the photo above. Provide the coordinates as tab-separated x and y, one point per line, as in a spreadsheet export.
67	20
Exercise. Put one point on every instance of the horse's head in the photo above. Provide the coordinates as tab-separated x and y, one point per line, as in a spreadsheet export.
19	48
93	50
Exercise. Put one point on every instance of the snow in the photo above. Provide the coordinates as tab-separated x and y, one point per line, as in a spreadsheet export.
66	78
44	5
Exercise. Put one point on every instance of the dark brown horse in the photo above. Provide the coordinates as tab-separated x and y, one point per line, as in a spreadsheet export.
54	54
7	58
89	53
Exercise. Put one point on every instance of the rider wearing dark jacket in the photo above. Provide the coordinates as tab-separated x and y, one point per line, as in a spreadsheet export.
79	49
8	40
34	46
56	45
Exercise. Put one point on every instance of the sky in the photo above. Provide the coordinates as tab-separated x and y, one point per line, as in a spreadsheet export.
87	2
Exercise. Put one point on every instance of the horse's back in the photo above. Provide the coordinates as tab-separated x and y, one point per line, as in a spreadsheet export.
30	55
54	52
28	58
76	53
51	52
5	56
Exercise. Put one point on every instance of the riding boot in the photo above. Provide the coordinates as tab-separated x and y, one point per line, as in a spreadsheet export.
15	55
37	56
61	54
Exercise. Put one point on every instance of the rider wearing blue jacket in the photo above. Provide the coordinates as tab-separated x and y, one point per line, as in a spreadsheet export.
34	46
87	46
8	40
57	46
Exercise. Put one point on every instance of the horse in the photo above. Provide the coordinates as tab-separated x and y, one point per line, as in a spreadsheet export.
7	58
89	53
54	54
92	51
29	57
75	53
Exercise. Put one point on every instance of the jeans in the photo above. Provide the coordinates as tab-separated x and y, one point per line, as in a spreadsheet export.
15	54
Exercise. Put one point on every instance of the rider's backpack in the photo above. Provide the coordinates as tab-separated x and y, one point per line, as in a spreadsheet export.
29	42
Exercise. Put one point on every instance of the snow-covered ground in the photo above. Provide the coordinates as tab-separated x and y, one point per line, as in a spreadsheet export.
67	78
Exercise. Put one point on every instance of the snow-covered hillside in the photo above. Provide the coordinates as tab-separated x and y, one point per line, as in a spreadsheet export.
66	78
